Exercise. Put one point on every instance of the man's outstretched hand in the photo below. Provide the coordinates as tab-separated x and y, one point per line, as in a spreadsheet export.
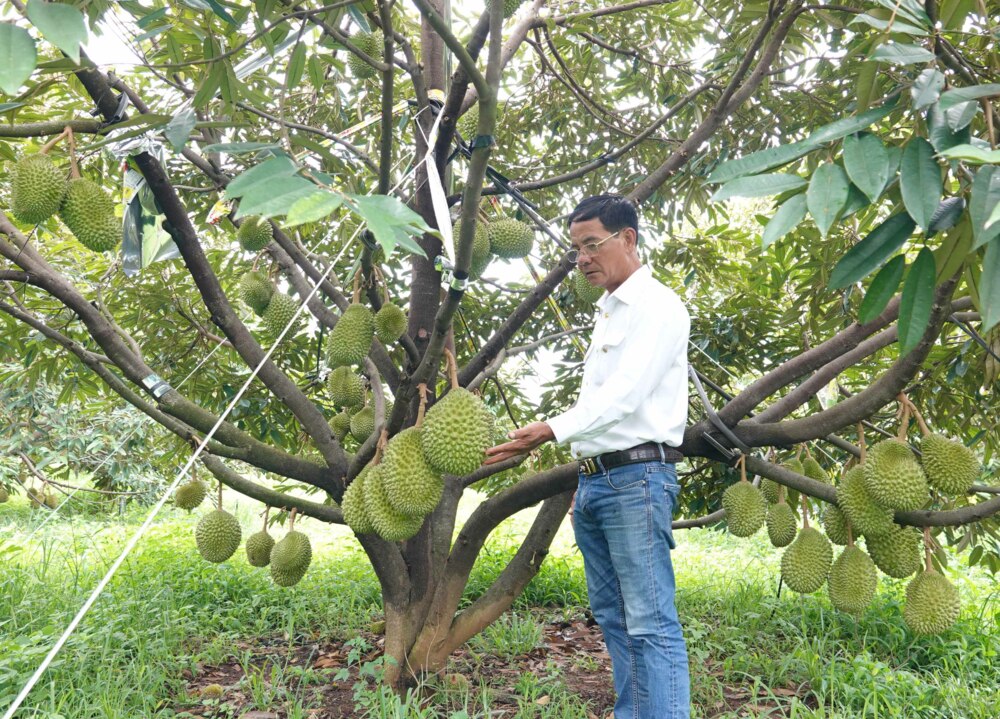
522	441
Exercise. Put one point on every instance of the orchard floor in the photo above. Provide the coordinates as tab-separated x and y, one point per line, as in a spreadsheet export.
170	626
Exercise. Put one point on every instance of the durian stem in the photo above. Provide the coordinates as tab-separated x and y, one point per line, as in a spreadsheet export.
52	143
904	424
850	533
218	500
805	510
861	442
383	439
452	367
74	169
291	519
422	388
924	429
781	494
267	510
356	297
798	451
927	549
809	453
381	280
742	461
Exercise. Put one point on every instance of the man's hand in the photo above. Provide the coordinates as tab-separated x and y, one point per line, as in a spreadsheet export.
522	441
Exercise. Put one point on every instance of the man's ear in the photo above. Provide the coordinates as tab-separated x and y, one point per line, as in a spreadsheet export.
631	238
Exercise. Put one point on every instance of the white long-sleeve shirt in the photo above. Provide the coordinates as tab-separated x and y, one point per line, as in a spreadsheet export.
635	372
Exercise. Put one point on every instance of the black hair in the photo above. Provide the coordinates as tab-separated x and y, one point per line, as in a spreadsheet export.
615	212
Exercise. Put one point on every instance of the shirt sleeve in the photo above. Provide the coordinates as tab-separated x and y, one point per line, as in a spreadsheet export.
650	349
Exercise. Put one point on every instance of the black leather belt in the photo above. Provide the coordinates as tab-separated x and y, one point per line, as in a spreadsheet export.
648	452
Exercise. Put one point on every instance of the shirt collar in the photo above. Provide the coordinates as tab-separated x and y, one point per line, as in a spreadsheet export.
630	291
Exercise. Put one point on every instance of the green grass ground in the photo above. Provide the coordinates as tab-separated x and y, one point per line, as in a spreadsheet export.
168	615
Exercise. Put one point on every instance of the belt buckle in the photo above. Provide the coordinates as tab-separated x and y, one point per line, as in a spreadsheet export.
589	466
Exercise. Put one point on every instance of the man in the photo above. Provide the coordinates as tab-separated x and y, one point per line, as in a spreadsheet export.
629	416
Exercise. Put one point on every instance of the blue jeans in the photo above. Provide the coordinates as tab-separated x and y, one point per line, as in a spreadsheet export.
622	523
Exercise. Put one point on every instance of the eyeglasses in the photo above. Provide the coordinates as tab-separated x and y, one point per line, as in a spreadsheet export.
588	249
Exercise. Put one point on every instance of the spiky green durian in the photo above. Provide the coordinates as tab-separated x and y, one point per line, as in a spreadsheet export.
467	123
814	470
412	486
481	255
510	7
218	535
390	323
351	338
363	423
190	494
353	504
770	489
258	547
510	238
51	500
345	387
369	43
254	234
290	558
279	313
893	477
37	188
456	433
805	564
896	553
951	467
792	495
389	524
852	581
255	290
835	524
89	213
584	290
746	508
781	524
340	425
932	603
865	516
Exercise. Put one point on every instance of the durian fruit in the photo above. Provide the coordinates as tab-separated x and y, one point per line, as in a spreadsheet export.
4	495
781	524
290	558
51	500
254	234
481	255
340	425
510	238
369	43
255	290
278	315
351	337
89	213
932	603
259	546
814	470
893	477
467	123
456	433
770	489
835	524
805	564
510	7
951	467
852	581
389	524
190	494
37	188
746	508
897	553
345	387
865	516
792	495
353	504
412	486
218	535
390	323
585	292
363	423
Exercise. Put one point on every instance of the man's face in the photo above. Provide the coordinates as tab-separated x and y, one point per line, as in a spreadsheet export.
611	265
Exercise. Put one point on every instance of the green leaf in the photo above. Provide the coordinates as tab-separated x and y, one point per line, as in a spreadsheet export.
901	54
946	215
848	125
274	197
960	115
909	9
867	163
963	94
788	216
296	66
897	25
7	106
210	85
62	25
178	130
882	288
760	161
17	57
940	133
313	207
856	200
920	181
759	186
271	169
219	10
866	84
971	153
989	288
951	255
927	88
238	148
916	301
393	223
880	244
827	195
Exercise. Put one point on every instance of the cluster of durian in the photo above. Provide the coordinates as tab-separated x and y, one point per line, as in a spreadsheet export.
506	238
369	43
39	190
43	497
392	497
275	308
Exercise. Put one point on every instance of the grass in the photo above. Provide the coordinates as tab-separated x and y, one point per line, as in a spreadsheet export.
168	615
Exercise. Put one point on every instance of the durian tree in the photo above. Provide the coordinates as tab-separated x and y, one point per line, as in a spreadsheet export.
283	172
